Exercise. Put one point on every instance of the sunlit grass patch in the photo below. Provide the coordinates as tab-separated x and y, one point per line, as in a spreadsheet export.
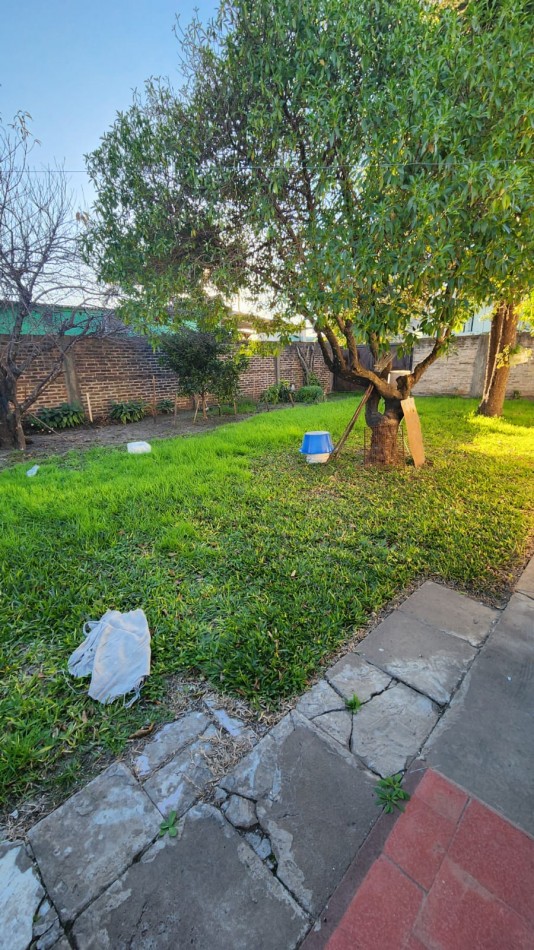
499	437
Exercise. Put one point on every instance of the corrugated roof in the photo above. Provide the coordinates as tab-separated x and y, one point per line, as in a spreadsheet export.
46	319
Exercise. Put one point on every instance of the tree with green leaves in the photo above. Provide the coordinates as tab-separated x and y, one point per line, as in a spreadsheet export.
367	165
205	361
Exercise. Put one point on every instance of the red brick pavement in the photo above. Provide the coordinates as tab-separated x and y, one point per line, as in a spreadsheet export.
453	875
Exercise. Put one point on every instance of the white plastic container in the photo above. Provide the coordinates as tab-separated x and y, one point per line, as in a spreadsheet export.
139	448
396	374
32	471
318	457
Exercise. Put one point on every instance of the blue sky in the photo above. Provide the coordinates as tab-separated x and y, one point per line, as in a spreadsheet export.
72	64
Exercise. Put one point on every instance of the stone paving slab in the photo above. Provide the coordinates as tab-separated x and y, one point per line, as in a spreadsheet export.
448	874
302	800
314	801
352	675
261	845
485	740
338	725
21	892
234	727
390	729
178	785
82	846
525	584
428	659
319	699
205	889
240	812
169	740
253	777
47	930
325	705
451	611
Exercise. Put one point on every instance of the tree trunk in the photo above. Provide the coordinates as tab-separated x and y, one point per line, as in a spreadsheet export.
503	336
384	427
11	431
307	362
20	438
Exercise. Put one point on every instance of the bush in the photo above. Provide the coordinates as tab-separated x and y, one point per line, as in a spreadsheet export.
278	392
205	361
313	380
225	383
65	416
309	394
125	412
165	406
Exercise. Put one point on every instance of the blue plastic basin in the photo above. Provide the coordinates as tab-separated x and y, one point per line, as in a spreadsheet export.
316	443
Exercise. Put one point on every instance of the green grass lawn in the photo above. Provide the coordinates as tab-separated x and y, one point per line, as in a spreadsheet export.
250	565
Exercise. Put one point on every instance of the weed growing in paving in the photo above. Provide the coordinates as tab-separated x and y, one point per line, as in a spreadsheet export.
390	794
251	565
353	704
168	827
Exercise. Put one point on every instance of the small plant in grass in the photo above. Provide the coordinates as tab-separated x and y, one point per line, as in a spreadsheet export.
353	704
390	793
165	406
124	412
309	394
168	827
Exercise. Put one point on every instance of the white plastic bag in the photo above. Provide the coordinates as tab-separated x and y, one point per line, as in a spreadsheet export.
115	653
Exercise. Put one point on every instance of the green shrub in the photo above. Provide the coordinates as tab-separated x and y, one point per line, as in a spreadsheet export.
313	380
278	392
165	406
65	416
124	412
309	394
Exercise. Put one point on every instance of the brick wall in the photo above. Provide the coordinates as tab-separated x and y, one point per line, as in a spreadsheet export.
265	371
114	369
461	372
121	368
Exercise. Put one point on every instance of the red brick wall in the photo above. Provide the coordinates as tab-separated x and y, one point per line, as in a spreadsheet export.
121	368
114	369
264	371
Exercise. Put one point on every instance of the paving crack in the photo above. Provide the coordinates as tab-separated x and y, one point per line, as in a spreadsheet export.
326	712
371	696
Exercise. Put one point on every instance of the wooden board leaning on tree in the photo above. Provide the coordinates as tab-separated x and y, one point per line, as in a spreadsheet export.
413	431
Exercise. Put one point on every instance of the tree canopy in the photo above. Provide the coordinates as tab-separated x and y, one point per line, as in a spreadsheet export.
368	165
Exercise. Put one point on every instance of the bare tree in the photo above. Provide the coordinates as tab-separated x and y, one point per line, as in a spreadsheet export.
46	293
306	357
